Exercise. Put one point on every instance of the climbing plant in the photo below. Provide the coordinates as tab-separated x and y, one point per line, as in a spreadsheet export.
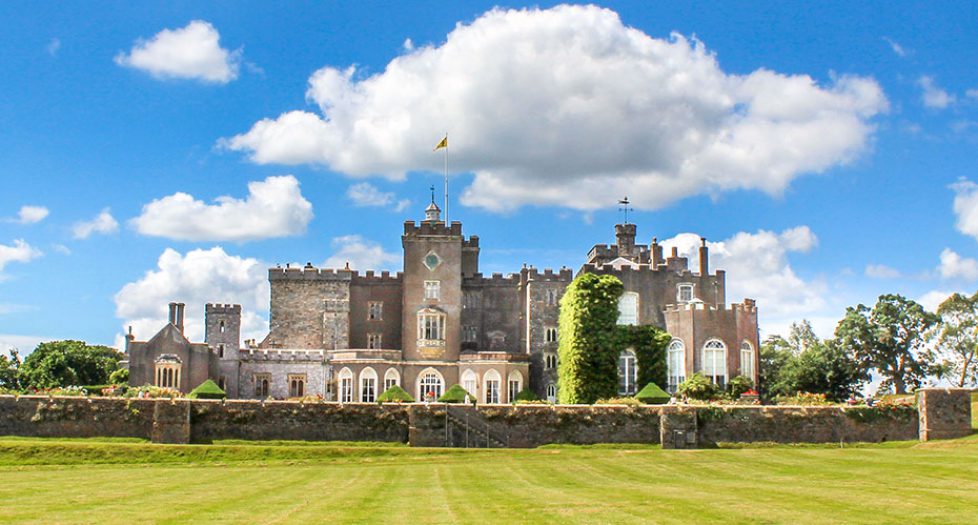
649	344
589	339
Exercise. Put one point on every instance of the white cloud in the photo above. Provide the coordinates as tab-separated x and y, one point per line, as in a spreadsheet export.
757	267
192	52
366	194
53	46
971	93
361	254
19	251
931	300
197	278
966	207
881	271
933	96
408	44
954	266
569	107
103	223
896	47
62	249
24	344
31	214
274	207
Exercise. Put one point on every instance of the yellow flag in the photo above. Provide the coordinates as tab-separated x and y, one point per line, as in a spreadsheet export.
442	144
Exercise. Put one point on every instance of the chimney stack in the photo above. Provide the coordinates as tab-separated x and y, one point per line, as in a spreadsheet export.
656	253
179	323
173	314
704	258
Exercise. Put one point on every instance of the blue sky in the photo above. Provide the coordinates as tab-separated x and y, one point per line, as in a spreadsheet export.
828	152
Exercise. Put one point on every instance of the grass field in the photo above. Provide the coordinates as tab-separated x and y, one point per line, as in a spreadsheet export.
126	481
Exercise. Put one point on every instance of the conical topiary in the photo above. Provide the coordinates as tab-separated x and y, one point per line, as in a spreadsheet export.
456	394
207	390
395	394
653	395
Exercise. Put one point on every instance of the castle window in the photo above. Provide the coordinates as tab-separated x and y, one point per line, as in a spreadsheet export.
374	341
715	361
627	372
676	364
220	351
491	381
551	297
550	361
515	381
368	385
551	393
470	300
346	386
391	378
430	385
684	292
469	383
550	334
628	308
222	327
262	384
375	311
431	325
297	385
747	360
168	372
470	334
223	383
432	289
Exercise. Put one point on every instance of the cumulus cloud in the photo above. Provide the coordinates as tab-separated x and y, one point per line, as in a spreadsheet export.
757	267
274	207
19	251
24	344
881	271
569	107
31	214
966	207
931	300
196	278
103	223
954	266
933	96
366	194
191	52
361	254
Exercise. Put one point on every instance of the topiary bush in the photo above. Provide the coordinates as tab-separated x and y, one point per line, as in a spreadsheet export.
207	390
653	395
526	395
119	377
588	339
628	401
456	394
699	387
395	394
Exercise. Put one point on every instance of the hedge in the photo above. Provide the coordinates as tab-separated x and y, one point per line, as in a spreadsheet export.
588	339
456	394
207	390
395	394
653	395
526	395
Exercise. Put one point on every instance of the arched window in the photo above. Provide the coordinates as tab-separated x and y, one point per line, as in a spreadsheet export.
430	385
627	372
491	382
168	367
551	392
297	385
368	385
715	361
628	308
262	383
747	360
550	361
470	383
515	383
391	377
676	364
346	385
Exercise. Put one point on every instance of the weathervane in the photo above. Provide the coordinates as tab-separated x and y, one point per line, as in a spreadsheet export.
624	207
432	193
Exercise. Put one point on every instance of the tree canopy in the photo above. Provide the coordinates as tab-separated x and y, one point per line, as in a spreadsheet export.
8	370
804	363
957	338
68	363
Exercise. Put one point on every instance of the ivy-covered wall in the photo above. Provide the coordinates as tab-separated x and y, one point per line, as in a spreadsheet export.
650	345
588	338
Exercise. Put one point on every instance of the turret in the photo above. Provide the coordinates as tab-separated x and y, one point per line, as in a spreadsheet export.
625	239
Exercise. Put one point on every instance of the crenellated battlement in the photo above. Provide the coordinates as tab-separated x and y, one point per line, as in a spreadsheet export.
413	229
213	308
280	354
371	277
308	273
497	278
548	275
471	242
747	307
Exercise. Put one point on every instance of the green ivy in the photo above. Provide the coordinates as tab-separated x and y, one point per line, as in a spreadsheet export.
649	344
588	348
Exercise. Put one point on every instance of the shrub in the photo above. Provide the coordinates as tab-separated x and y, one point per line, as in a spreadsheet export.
456	394
587	368
395	394
698	386
526	395
152	392
803	398
119	377
653	395
533	402
738	386
207	390
9	391
629	401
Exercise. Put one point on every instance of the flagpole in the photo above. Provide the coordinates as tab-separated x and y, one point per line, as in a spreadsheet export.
447	223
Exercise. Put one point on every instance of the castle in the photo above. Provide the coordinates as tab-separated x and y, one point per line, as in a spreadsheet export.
348	336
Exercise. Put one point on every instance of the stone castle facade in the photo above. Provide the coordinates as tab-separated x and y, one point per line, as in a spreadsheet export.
348	336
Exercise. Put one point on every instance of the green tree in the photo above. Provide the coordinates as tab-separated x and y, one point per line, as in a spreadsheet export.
775	355
824	368
587	368
8	370
957	338
68	363
889	339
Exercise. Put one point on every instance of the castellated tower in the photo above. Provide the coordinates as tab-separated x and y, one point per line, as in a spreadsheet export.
223	335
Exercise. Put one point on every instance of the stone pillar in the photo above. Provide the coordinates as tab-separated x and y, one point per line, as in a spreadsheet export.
678	427
171	422
945	413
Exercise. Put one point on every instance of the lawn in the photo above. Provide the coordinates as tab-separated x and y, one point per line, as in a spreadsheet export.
89	481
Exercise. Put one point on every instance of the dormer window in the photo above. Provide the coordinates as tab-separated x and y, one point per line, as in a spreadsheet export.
684	292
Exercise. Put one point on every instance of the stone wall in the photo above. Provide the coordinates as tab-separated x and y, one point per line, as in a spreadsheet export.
945	413
42	416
